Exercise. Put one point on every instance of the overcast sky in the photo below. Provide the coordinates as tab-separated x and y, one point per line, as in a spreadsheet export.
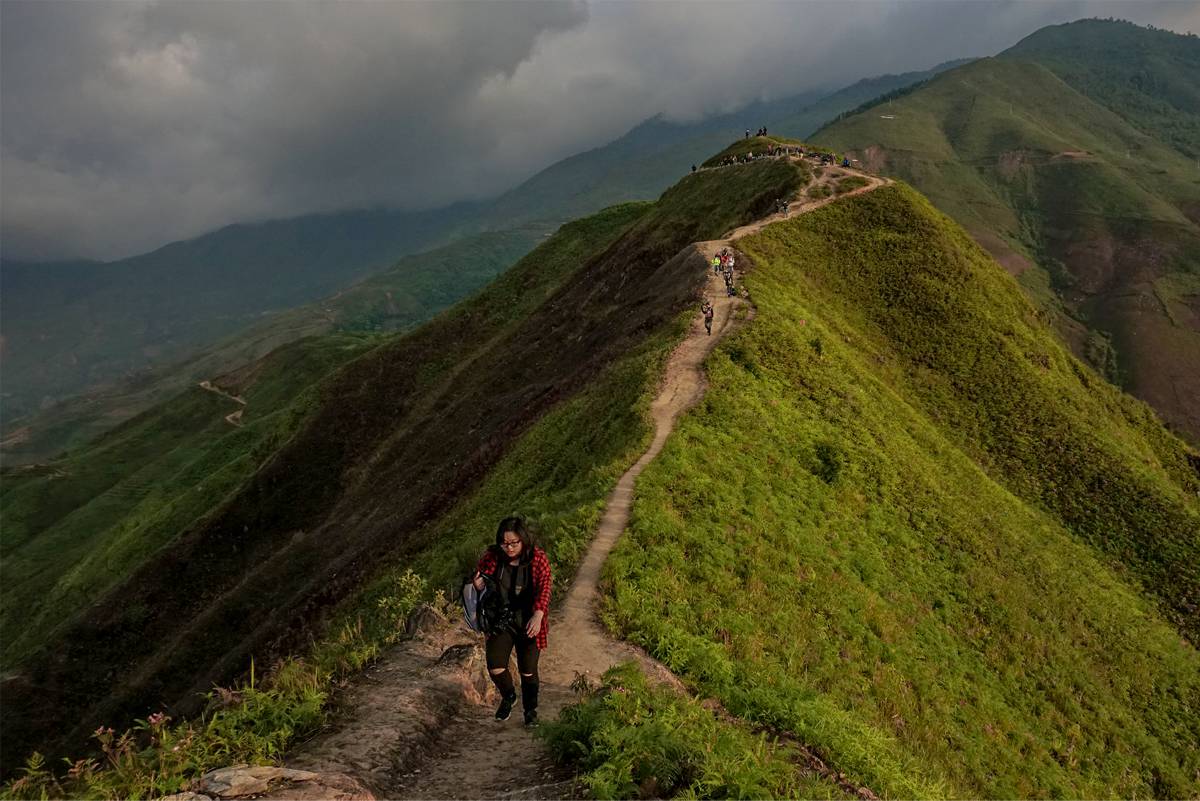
127	125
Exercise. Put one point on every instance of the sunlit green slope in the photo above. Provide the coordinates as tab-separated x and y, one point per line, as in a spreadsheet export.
907	526
1093	204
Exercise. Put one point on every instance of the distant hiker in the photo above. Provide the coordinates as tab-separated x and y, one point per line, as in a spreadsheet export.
747	133
716	264
845	161
521	574
707	309
693	168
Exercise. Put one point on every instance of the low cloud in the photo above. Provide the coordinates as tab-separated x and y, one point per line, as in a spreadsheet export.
130	124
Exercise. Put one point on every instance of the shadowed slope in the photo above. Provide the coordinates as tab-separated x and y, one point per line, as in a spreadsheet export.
393	440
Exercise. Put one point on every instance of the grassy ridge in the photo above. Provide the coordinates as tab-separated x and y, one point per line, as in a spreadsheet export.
1144	75
1096	215
558	471
960	529
427	415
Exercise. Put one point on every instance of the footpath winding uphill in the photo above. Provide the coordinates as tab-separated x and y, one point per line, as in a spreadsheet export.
407	741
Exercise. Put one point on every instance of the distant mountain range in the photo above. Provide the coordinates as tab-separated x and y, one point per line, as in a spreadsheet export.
108	332
1072	158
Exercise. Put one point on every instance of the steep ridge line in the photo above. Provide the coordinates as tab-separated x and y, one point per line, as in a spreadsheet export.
476	757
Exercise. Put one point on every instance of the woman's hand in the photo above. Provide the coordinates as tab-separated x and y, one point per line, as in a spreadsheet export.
535	624
478	581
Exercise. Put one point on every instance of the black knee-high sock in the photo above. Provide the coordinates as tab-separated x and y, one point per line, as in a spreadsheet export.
529	694
504	683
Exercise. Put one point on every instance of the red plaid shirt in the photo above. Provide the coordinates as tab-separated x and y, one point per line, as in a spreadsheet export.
540	572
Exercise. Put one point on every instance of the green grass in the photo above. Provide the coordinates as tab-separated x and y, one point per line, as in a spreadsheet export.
77	527
1018	155
559	474
907	527
851	183
1146	76
631	740
527	393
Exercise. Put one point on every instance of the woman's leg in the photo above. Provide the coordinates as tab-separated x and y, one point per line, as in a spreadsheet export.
527	664
499	648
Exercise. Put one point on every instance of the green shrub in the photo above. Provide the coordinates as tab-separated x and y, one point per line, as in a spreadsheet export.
850	183
630	740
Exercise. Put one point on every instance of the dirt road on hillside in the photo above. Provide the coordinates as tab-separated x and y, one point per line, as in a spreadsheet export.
234	418
474	756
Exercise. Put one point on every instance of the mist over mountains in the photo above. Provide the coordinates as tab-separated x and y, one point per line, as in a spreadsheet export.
71	328
917	517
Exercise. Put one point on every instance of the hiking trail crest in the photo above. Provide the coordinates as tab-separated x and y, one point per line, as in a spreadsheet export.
440	740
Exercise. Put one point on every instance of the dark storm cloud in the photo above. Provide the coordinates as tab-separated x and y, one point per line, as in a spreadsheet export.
126	125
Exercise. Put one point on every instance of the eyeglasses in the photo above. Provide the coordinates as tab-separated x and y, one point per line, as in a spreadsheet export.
510	544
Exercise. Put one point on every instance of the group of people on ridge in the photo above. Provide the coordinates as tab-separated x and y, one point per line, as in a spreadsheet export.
772	152
723	264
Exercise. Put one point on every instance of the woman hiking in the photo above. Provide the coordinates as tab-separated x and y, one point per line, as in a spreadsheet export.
707	309
521	572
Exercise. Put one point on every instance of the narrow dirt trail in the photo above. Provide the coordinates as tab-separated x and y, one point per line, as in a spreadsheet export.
475	756
483	758
234	418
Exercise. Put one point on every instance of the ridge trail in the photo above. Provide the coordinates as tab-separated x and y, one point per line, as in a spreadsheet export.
235	418
475	756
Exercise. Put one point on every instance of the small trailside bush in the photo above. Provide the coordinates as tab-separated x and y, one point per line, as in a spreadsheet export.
631	740
850	183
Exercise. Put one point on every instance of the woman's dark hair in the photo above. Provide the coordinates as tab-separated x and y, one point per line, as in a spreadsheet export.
517	526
